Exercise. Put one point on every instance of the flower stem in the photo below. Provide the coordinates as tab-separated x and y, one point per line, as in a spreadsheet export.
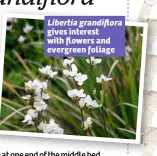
102	94
102	108
91	66
36	122
90	111
89	133
83	121
36	126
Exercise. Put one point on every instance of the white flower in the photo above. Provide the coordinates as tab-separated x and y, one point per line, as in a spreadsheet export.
9	19
88	99
72	72
88	102
12	20
40	105
9	27
82	103
80	78
66	72
27	28
39	85
28	85
27	97
93	104
50	128
93	61
38	97
45	70
41	96
127	51
102	79
44	85
38	91
52	74
45	96
31	114
87	123
59	131
76	94
21	39
127	57
42	126
36	86
68	62
28	119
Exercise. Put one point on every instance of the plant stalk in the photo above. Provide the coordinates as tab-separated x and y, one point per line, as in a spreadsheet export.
102	108
82	116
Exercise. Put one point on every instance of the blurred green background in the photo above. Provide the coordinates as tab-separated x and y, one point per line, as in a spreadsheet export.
22	61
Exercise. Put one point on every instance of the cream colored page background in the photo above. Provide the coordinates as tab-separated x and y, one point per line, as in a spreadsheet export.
149	125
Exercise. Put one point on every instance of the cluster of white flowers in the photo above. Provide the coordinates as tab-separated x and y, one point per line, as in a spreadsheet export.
78	96
84	101
47	71
50	128
88	102
36	86
73	71
36	97
87	123
27	28
102	79
93	61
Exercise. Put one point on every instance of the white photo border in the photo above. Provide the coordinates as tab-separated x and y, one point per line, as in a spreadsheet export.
73	137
